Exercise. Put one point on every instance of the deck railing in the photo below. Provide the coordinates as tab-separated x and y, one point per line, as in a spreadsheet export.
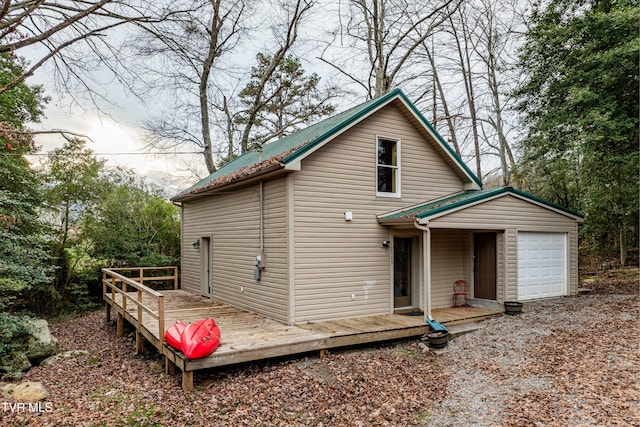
132	289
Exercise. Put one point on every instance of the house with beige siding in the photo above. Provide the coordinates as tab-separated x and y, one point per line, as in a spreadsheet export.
366	213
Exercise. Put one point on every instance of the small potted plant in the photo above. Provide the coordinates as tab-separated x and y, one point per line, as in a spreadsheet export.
512	307
438	339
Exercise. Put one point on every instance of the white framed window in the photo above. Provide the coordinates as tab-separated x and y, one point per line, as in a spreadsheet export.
388	167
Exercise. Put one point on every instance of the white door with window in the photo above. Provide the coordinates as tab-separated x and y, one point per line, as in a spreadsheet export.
542	265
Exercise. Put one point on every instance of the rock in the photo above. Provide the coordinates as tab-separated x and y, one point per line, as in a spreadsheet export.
17	363
25	392
41	343
66	355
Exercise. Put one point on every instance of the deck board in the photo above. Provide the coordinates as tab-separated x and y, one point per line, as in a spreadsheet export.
247	336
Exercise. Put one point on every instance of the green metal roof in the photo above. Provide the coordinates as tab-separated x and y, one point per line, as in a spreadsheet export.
459	200
292	147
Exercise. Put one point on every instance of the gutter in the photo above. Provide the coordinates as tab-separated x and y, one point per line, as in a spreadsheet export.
426	273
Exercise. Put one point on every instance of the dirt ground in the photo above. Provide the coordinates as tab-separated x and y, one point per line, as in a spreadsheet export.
572	361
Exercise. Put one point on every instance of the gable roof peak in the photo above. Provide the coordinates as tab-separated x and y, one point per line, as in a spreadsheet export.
294	147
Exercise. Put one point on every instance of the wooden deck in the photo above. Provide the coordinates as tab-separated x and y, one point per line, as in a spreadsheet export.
248	336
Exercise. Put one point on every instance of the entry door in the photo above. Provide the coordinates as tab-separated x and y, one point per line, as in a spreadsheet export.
205	263
484	266
402	271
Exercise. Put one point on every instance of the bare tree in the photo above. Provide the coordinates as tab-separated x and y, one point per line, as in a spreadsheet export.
183	52
465	45
440	95
189	52
387	33
496	34
75	35
287	36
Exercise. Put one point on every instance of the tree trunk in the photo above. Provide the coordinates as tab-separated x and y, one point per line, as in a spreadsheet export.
465	68
445	106
623	242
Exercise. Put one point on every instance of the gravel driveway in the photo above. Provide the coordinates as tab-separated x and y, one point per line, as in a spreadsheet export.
568	362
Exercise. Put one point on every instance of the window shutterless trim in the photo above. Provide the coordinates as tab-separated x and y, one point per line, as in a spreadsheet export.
396	168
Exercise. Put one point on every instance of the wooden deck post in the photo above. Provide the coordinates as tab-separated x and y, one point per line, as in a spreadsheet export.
169	366
113	289
139	343
120	324
187	381
160	321
124	297
104	295
175	278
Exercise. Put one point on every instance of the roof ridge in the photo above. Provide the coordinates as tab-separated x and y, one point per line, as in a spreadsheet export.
291	147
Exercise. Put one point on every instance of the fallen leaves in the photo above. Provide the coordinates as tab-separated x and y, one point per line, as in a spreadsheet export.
567	361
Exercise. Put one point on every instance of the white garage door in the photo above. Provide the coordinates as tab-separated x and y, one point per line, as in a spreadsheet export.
541	265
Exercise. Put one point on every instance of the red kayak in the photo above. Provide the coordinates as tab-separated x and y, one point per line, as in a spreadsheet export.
200	338
173	335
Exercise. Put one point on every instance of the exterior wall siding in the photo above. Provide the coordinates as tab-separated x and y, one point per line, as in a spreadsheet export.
341	268
513	215
450	259
232	220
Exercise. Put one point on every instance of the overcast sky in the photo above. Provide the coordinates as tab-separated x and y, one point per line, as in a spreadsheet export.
116	130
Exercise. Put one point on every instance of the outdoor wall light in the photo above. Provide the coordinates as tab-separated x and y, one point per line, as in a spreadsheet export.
196	244
385	243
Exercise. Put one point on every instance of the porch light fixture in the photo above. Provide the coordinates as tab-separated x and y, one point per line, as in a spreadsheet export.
385	243
196	244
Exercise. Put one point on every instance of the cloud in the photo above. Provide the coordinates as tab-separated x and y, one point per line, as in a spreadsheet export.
121	145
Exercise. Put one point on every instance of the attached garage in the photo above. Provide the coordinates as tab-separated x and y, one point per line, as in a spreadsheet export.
533	250
542	265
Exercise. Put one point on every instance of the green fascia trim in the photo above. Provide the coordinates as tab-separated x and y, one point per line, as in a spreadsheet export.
545	202
464	199
485	194
351	116
441	140
306	139
459	200
428	208
358	112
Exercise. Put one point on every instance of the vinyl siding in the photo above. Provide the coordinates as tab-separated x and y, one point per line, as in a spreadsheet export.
450	260
194	225
334	258
232	220
513	214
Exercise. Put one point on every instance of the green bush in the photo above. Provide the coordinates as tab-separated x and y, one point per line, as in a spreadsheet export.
14	334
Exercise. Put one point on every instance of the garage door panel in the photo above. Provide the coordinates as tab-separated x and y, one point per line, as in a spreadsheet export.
541	265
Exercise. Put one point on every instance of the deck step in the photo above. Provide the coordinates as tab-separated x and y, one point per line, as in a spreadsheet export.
464	328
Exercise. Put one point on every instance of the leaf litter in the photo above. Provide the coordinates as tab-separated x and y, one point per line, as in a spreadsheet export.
571	361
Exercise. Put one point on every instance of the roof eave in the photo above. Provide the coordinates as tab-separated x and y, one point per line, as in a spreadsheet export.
260	175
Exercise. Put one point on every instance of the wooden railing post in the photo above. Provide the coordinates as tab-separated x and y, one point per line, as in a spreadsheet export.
175	278
160	319
124	297
104	296
139	342
113	289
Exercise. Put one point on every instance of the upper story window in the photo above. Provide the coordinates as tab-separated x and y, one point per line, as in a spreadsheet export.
388	167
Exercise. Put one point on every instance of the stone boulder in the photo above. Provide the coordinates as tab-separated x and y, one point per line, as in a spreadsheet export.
27	345
41	344
66	355
24	392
